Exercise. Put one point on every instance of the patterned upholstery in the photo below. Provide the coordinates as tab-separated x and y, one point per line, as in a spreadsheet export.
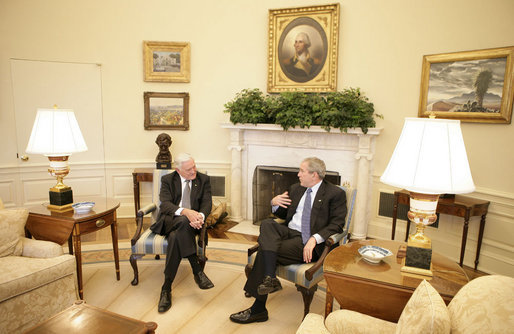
296	272
147	242
37	280
484	305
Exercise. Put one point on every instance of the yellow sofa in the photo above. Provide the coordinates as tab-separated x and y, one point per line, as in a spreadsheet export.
484	305
36	279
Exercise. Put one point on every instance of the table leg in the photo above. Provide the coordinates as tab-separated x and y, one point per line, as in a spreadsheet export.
480	236
78	259
464	237
329	302
395	214
114	236
70	245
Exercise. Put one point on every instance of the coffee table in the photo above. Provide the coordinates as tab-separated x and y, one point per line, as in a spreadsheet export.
59	227
382	290
84	318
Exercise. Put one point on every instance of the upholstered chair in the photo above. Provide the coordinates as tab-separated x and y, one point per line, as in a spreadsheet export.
146	242
37	280
484	305
306	276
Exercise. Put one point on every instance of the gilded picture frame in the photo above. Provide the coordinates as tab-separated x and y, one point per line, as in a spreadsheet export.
167	61
303	49
166	111
472	86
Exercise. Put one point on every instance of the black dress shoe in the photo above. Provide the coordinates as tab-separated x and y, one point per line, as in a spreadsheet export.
164	301
246	316
203	281
269	285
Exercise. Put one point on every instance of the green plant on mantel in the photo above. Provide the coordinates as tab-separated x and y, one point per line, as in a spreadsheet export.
339	110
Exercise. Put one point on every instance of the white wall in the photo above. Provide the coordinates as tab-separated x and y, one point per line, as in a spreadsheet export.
381	45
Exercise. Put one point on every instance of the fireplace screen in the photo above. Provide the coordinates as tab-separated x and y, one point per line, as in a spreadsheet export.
269	181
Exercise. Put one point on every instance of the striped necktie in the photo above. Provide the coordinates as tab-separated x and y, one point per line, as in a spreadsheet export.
306	217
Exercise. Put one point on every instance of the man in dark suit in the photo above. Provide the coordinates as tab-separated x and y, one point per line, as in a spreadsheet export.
186	201
313	210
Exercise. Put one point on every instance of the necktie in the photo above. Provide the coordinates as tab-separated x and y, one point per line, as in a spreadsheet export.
306	217
186	196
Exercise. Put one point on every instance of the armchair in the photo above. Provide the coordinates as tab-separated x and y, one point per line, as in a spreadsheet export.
146	242
306	276
37	280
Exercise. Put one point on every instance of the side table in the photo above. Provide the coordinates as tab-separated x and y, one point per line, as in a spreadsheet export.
60	227
87	319
460	206
382	290
140	175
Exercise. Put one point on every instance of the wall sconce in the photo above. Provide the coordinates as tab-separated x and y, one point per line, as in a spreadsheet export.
56	134
429	159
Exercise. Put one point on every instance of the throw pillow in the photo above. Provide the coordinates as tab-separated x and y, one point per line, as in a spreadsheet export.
425	312
12	227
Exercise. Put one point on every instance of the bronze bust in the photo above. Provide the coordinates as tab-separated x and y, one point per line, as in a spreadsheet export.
163	159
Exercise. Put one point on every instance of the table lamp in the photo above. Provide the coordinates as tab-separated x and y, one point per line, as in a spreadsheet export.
429	159
56	134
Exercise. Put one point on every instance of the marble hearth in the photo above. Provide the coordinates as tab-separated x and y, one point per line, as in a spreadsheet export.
351	154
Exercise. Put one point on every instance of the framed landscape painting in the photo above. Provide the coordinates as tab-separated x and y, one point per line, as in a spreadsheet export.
473	86
302	49
167	61
166	111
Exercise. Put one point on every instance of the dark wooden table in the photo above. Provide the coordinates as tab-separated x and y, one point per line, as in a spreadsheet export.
59	227
87	319
140	175
460	206
382	290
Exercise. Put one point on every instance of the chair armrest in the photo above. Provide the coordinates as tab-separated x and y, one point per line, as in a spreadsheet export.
332	240
139	221
253	249
40	248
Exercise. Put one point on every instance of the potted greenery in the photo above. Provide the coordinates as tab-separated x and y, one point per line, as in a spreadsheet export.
340	110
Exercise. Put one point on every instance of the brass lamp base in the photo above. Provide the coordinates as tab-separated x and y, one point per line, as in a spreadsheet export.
60	200
418	261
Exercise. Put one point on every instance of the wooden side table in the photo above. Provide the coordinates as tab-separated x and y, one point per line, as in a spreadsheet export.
460	206
87	319
382	290
140	175
60	227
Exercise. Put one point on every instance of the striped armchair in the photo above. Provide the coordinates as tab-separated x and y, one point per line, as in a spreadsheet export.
306	276
146	242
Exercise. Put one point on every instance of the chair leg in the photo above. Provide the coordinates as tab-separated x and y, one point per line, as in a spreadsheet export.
133	263
307	295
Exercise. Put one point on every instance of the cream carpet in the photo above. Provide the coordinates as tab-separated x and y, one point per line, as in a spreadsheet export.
194	310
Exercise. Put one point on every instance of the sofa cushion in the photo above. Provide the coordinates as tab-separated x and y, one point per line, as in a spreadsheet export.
12	227
21	274
351	322
484	305
425	312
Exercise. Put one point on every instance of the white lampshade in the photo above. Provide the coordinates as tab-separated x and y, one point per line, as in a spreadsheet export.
430	158
56	133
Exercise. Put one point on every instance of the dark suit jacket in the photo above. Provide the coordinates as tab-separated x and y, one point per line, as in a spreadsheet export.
171	194
328	210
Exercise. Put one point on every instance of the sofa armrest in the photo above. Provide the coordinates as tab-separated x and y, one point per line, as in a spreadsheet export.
346	321
312	323
40	248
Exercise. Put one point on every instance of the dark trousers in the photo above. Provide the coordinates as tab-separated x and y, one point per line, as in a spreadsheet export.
278	238
181	243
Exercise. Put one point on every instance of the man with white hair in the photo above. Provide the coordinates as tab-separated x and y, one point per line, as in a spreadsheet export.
302	64
186	201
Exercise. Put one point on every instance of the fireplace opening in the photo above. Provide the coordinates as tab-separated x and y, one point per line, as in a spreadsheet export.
269	181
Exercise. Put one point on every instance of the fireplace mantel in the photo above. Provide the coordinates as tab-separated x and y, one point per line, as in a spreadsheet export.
350	153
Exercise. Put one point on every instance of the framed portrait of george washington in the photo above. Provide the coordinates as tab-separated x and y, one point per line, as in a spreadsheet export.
472	86
302	49
167	61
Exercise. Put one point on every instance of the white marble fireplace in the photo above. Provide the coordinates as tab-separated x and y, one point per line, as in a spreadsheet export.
351	154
